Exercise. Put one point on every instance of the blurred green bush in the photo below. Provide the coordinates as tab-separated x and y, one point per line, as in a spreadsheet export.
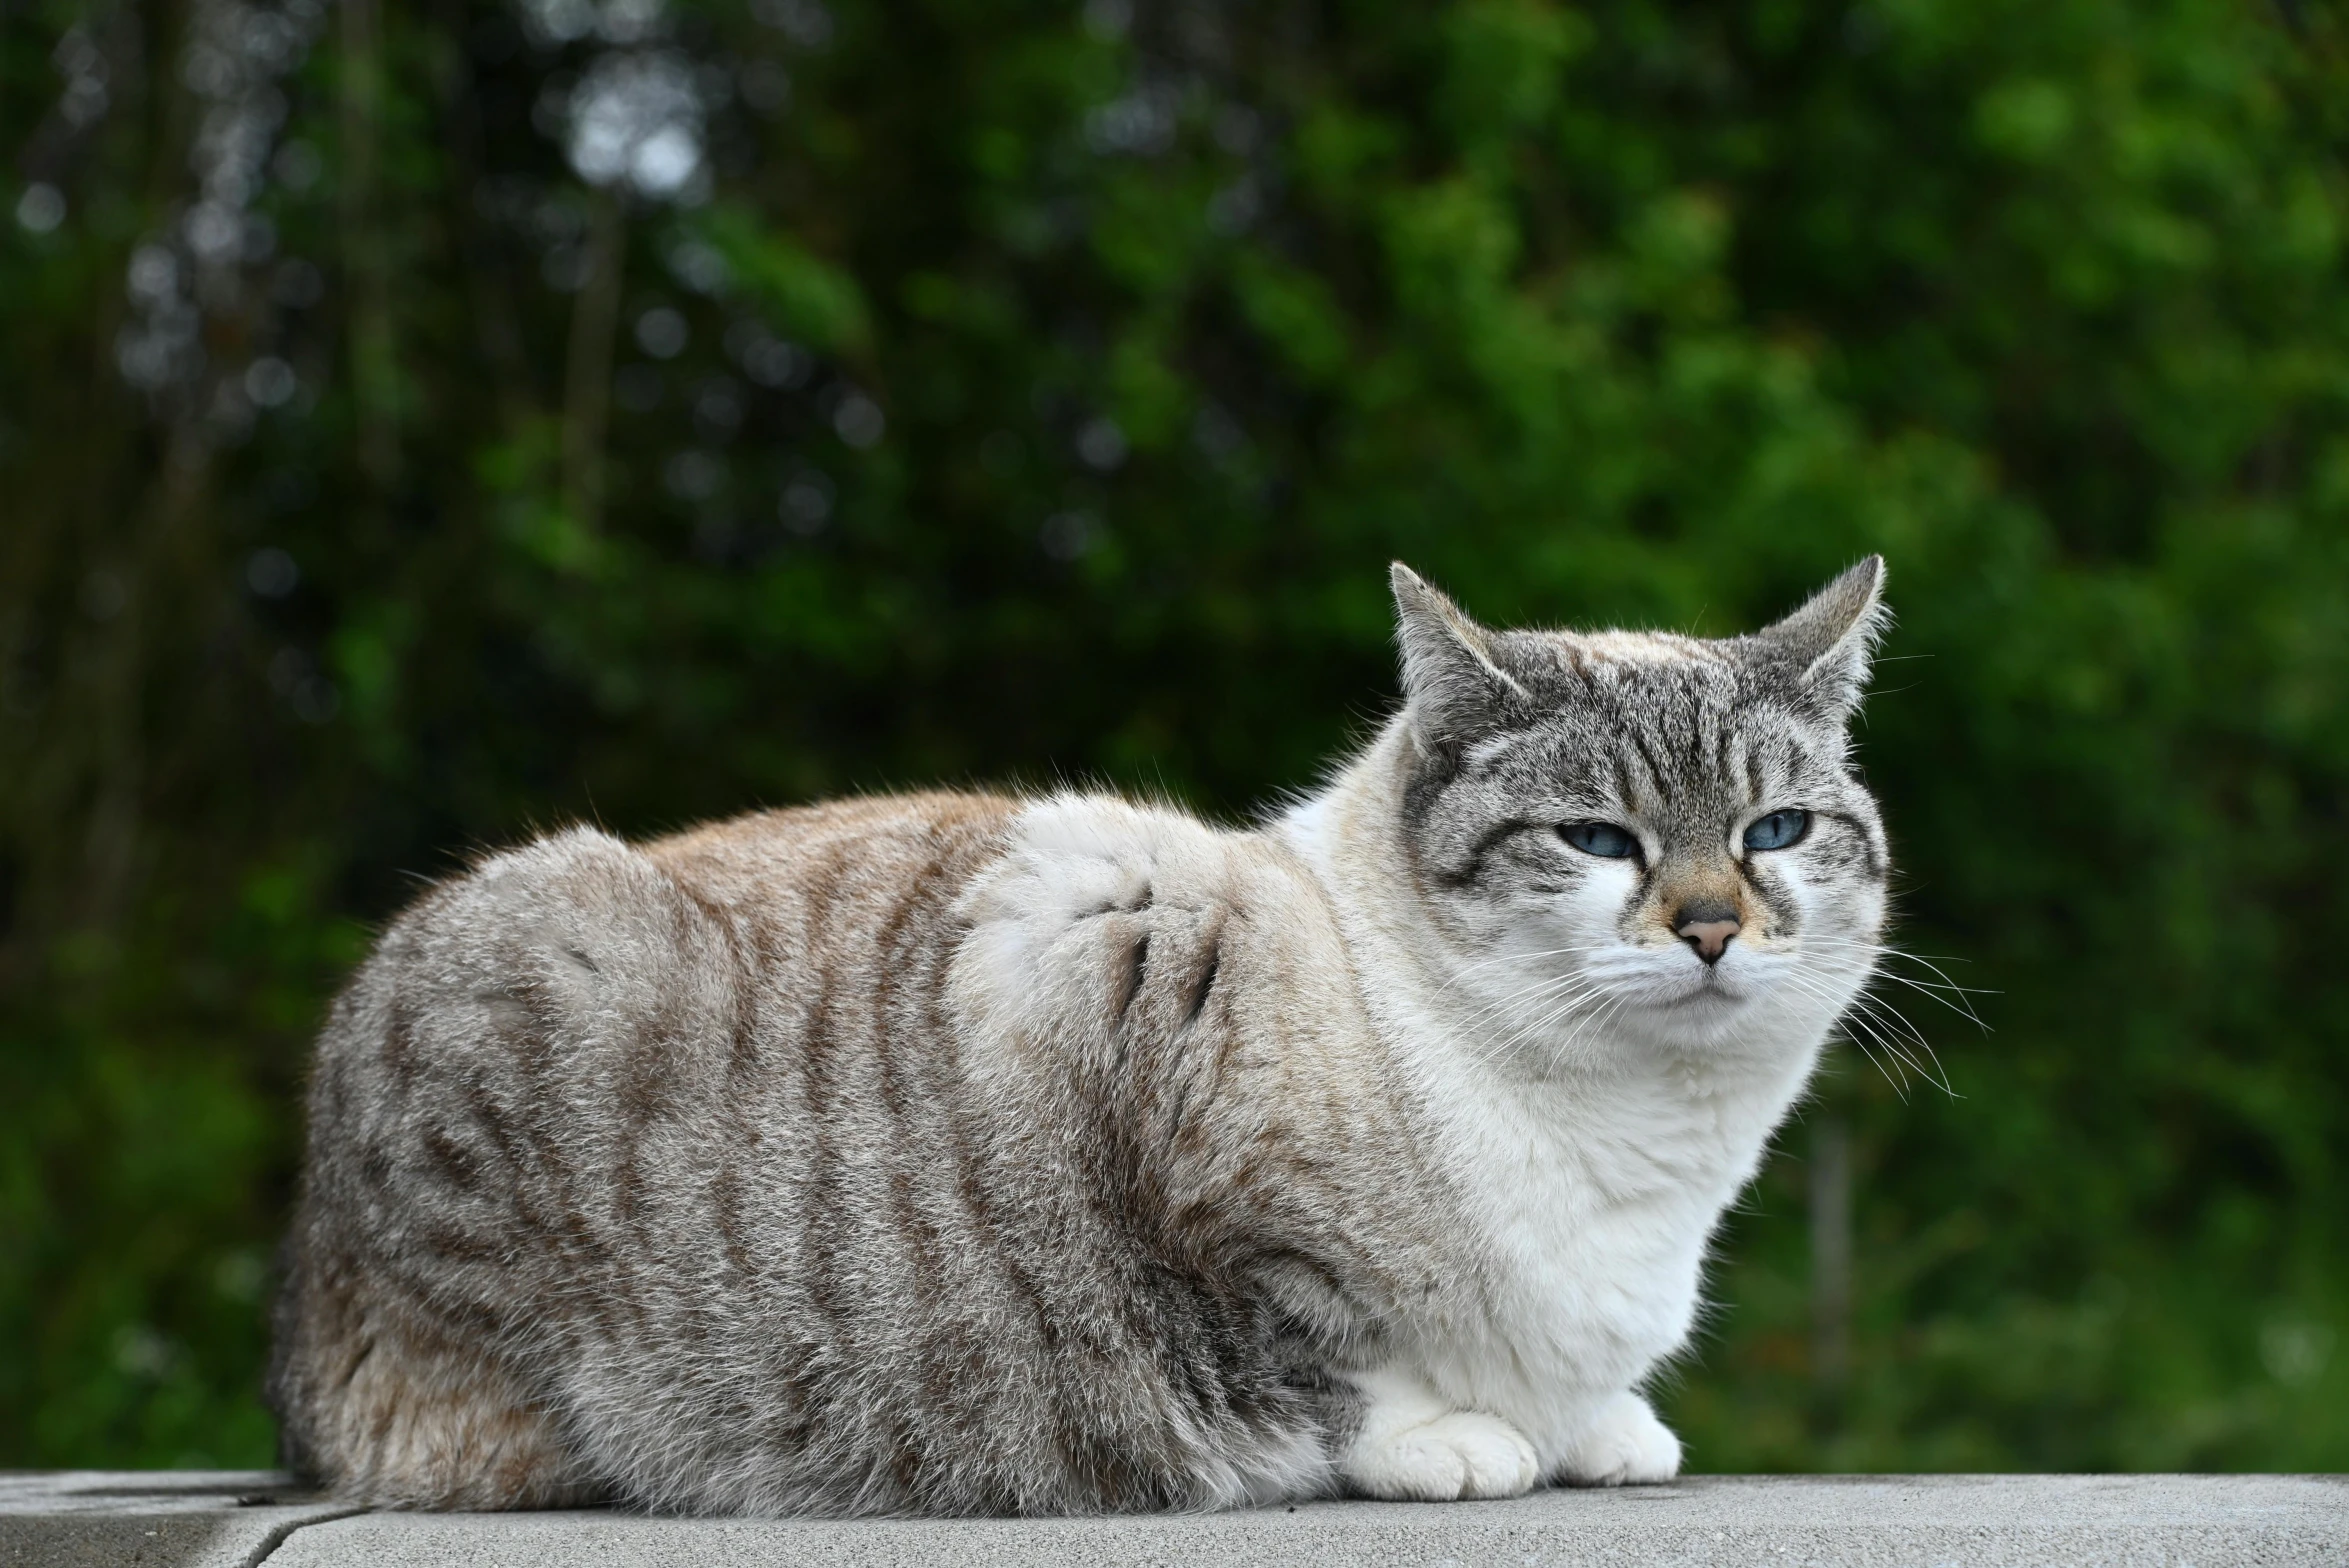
423	424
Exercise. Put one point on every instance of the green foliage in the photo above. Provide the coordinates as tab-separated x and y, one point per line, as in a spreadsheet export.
1012	394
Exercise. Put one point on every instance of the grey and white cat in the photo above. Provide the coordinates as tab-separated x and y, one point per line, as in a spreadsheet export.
959	1154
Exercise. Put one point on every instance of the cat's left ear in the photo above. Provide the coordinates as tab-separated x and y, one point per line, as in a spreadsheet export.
1825	647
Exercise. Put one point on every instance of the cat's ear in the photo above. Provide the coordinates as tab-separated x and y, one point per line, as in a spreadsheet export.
1824	648
1452	686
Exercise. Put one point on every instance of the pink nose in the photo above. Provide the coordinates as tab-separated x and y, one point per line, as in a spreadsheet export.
1707	928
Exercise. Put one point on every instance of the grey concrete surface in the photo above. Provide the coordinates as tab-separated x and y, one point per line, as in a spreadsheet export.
168	1520
152	1518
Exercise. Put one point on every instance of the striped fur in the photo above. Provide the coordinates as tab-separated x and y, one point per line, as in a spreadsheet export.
958	1154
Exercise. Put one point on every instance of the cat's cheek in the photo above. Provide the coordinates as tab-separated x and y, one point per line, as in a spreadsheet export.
1834	904
1598	909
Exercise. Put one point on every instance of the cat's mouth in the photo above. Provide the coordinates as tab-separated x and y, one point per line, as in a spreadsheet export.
1711	987
1667	982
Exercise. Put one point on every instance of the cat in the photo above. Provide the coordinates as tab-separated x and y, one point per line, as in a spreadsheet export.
961	1154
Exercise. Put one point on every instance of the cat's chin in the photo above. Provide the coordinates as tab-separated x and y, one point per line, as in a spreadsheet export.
1721	1011
1697	1010
1702	1007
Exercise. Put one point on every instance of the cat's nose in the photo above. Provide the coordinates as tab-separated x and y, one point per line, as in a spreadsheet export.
1706	925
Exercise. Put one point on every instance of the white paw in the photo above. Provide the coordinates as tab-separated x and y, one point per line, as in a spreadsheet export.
1464	1454
1623	1443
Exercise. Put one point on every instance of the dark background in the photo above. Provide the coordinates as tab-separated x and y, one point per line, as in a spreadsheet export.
423	423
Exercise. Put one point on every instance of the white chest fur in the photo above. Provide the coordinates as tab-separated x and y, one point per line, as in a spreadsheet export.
1595	1198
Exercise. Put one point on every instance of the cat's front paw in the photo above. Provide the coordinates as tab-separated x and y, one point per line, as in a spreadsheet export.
1623	1443
1462	1455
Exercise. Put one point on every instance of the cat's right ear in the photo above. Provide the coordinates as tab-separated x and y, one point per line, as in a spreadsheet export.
1452	687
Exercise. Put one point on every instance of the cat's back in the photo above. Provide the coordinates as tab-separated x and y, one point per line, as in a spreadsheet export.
536	1110
581	962
841	856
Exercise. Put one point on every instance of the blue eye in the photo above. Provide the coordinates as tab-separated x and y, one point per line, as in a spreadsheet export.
1603	839
1778	830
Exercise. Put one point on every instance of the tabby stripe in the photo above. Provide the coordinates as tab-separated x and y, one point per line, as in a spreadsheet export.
1485	843
821	1202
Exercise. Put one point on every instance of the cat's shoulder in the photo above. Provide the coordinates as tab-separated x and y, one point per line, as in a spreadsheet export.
1092	893
1070	856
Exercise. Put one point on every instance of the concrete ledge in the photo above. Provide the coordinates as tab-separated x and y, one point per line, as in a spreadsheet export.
196	1519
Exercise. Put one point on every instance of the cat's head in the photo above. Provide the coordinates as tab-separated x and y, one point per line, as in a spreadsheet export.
1641	837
